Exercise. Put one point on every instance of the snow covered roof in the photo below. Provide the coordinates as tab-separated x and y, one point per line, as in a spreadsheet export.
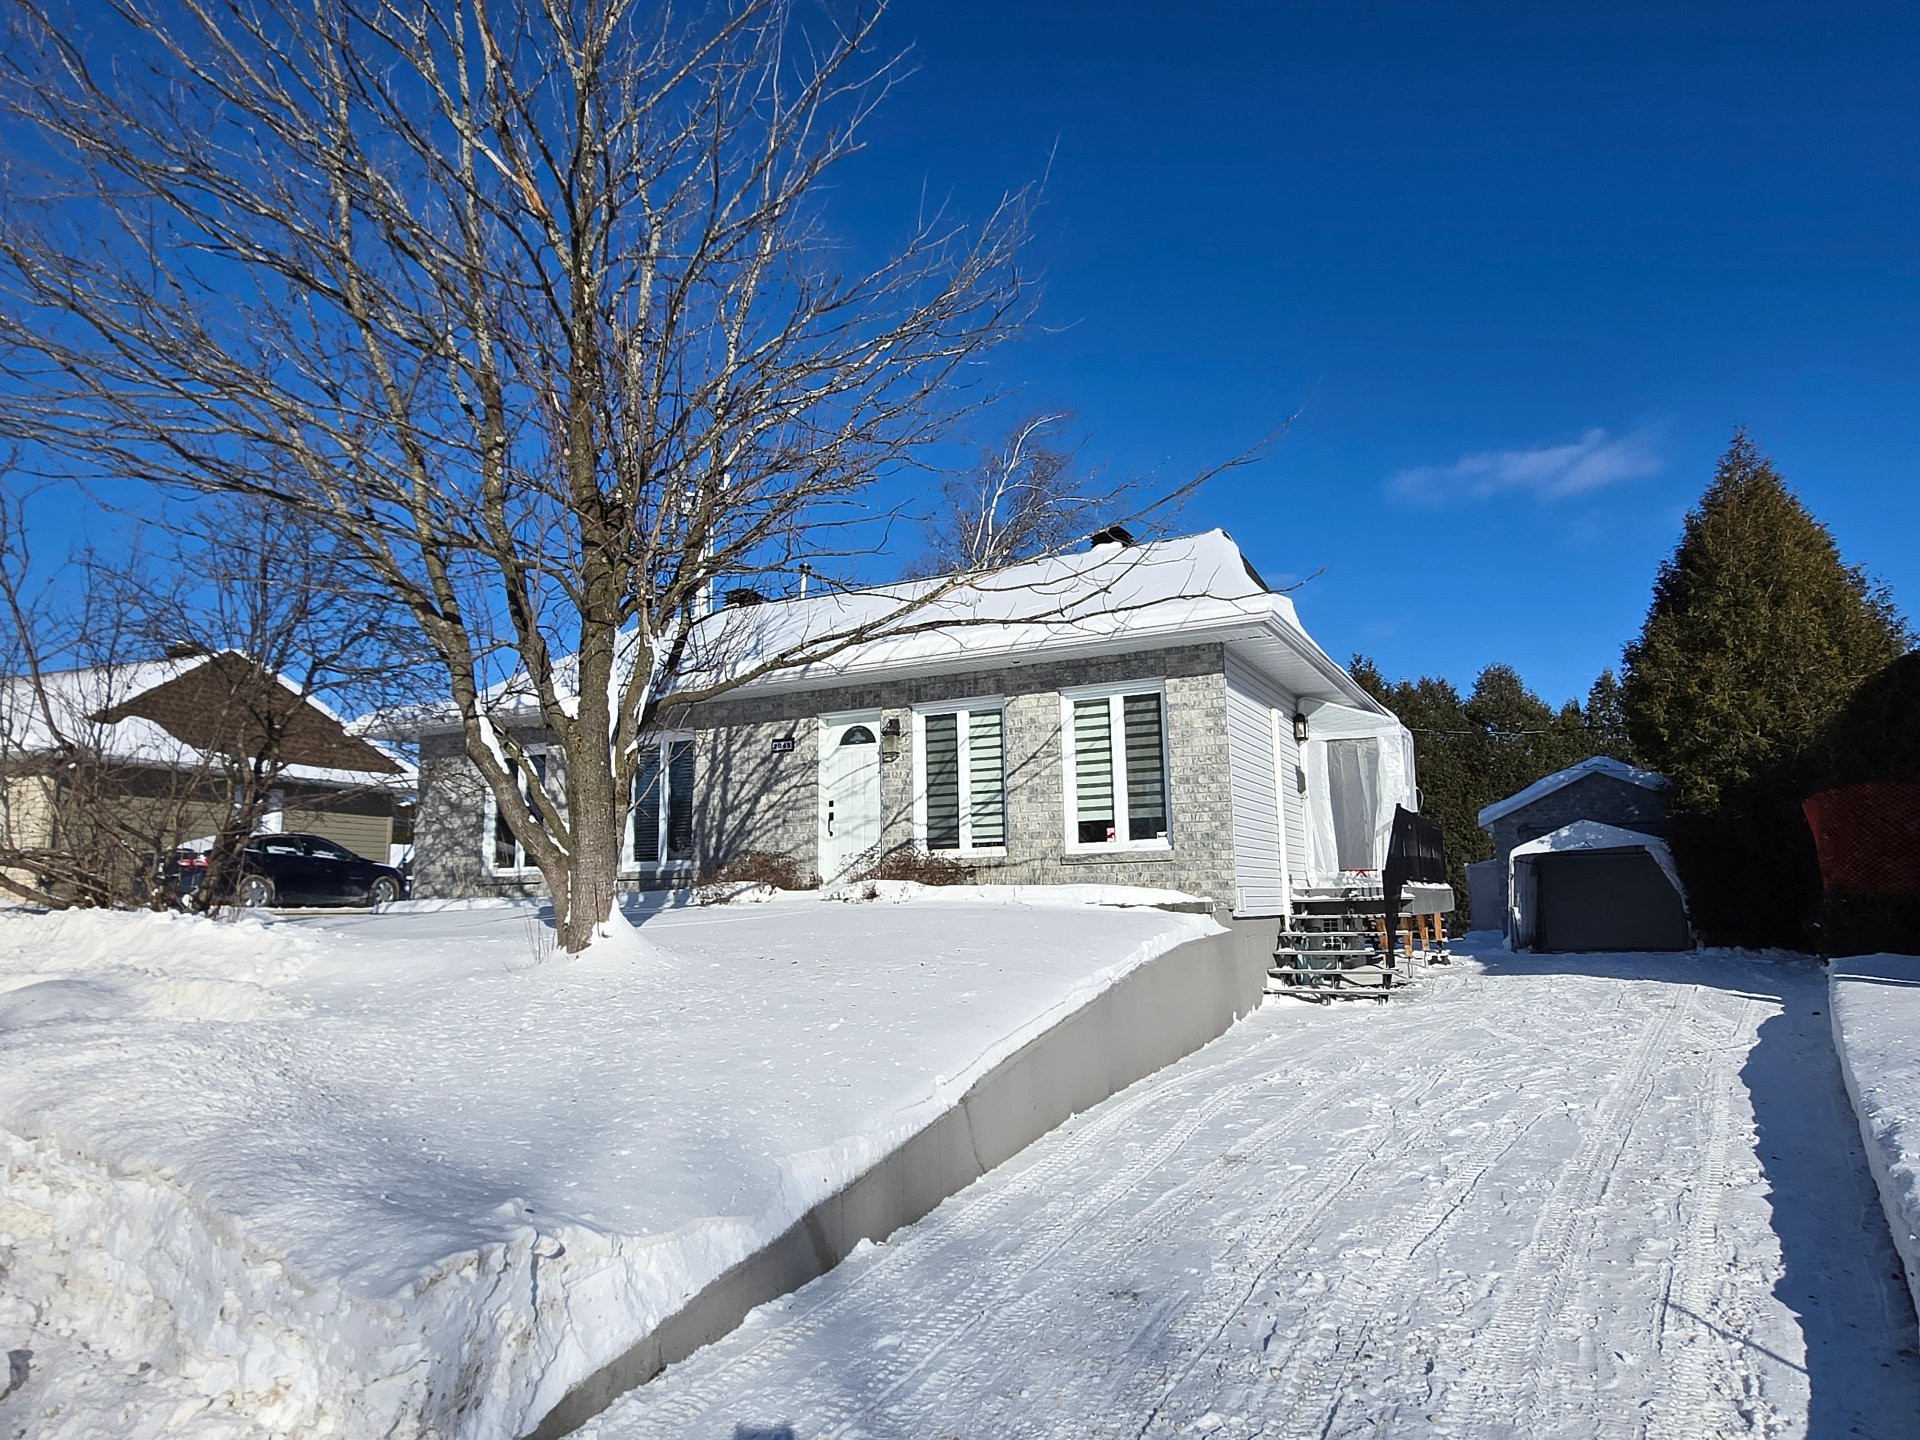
1105	600
1593	765
1106	597
69	707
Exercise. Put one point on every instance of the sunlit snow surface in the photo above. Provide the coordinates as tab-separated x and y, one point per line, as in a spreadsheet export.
1876	1024
397	1175
1555	1196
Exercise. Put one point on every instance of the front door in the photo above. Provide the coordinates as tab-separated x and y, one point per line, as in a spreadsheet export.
849	790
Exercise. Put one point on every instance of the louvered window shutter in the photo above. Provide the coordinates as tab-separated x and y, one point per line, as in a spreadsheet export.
943	782
680	800
987	779
1146	768
646	807
1093	770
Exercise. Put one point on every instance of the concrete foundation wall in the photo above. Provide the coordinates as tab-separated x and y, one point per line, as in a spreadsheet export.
1164	1010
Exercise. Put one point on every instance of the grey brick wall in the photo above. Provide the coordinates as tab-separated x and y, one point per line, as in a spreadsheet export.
747	797
451	842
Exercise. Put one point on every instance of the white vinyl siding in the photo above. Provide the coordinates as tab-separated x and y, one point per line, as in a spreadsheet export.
661	830
1115	742
1266	795
960	777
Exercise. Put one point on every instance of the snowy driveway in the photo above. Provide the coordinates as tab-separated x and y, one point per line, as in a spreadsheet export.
1570	1196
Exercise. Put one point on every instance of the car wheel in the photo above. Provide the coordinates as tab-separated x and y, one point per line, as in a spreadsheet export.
383	891
255	892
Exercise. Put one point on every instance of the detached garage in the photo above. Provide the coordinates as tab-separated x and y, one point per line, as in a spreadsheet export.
1589	886
1580	862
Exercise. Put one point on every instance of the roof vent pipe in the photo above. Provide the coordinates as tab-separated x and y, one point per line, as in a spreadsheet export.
1112	535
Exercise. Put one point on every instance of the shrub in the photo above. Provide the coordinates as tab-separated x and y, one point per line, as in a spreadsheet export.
758	867
907	863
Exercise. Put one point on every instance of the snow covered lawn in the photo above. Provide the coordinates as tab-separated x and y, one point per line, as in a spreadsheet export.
1876	1027
388	1175
1555	1196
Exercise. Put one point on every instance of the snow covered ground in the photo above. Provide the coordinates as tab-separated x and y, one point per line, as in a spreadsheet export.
1876	1029
392	1175
1554	1196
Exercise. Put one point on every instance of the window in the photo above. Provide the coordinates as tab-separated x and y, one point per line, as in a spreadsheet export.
1116	767
663	804
508	853
960	777
327	850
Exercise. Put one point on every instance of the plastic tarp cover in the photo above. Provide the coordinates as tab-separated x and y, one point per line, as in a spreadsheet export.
1523	893
1391	786
1353	792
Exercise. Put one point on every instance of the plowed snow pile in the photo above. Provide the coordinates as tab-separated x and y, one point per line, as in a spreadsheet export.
397	1175
1876	1028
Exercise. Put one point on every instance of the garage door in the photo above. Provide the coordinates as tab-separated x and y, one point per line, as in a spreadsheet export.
1607	900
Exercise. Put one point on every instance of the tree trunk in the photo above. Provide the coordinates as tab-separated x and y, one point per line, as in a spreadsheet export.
585	894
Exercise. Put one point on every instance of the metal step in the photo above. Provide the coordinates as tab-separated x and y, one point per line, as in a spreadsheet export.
1360	983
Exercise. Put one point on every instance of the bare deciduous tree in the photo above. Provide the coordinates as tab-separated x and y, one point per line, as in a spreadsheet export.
533	308
532	305
106	774
291	623
1025	497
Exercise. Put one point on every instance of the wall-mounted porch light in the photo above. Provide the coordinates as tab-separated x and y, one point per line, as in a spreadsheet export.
1299	727
890	740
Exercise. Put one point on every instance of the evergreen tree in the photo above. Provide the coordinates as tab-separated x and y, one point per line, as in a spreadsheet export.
1518	736
1604	719
1757	635
1469	753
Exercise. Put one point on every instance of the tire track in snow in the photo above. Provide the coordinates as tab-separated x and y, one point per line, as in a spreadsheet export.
1313	1381
1165	1213
1684	1391
962	1227
1505	1358
1293	1212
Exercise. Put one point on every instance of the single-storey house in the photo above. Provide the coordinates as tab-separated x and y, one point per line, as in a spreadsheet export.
1138	714
1581	862
144	749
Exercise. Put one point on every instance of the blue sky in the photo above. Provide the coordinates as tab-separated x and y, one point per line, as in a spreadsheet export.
1521	269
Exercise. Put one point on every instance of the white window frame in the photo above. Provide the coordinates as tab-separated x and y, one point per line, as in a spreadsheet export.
968	708
631	866
1116	721
525	866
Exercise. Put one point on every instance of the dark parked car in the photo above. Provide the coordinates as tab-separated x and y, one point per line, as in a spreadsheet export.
300	870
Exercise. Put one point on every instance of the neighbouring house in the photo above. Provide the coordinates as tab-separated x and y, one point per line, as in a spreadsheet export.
1581	862
1146	714
140	757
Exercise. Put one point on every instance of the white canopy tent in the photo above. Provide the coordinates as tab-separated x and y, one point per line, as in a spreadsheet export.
1589	836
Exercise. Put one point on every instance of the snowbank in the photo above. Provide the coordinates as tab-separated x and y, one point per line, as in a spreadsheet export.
388	1175
901	892
1875	1002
